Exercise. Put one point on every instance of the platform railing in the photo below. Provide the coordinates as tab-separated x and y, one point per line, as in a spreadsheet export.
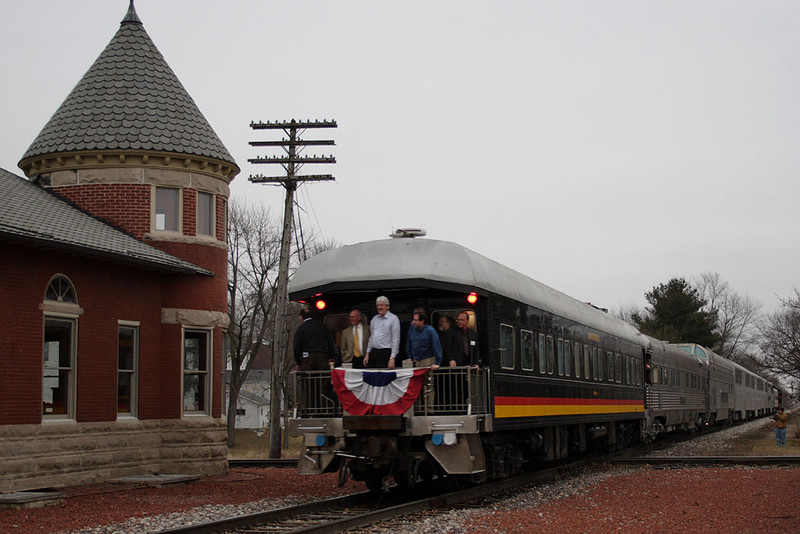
447	391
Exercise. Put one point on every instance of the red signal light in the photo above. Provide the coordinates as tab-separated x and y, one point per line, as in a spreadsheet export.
320	304
472	298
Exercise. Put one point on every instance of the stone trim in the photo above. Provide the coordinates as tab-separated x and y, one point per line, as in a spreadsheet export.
37	167
177	237
195	318
65	309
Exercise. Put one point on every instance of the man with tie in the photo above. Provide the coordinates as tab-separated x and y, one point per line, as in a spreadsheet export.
354	341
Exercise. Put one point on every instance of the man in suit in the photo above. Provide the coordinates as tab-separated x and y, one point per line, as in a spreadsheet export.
354	341
314	350
466	342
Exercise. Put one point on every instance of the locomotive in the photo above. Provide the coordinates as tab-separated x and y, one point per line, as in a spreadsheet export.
559	377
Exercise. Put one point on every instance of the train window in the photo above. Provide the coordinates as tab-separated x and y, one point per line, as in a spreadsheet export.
628	371
610	363
600	364
506	346
560	356
577	355
526	342
542	355
594	363
550	355
567	358
618	368
656	375
587	362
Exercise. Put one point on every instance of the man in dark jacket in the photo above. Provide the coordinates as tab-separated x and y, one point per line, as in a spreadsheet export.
313	344
314	351
466	342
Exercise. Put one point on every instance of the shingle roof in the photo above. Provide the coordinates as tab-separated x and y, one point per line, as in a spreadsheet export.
31	214
129	99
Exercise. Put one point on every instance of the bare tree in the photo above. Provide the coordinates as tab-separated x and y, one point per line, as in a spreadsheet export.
737	317
254	242
627	311
253	252
780	345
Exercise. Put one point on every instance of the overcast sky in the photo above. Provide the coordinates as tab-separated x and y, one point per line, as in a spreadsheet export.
598	147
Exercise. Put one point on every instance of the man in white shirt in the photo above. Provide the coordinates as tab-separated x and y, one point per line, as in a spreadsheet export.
384	338
354	341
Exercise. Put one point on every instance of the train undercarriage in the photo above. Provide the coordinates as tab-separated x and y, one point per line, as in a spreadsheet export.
454	437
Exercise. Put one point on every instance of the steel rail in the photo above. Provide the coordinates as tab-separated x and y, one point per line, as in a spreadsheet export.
271	516
349	513
263	462
708	460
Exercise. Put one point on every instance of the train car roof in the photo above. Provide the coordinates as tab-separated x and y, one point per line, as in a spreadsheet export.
402	262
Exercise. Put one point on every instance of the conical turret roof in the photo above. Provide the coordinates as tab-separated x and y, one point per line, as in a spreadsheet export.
129	99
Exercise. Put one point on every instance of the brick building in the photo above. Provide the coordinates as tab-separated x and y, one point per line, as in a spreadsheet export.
113	298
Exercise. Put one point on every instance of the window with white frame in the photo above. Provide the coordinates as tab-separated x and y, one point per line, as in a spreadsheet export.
196	371
127	365
167	209
59	349
58	378
205	214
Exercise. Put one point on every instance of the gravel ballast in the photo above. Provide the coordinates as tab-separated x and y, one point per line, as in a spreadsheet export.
612	499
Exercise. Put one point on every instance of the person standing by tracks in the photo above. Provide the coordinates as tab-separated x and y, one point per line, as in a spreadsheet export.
780	426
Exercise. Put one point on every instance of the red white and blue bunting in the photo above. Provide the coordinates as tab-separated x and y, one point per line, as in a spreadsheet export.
377	392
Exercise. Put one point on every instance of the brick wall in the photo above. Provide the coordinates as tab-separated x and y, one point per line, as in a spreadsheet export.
189	211
107	293
126	206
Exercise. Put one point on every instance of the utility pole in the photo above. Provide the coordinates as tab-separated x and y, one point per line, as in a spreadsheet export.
291	162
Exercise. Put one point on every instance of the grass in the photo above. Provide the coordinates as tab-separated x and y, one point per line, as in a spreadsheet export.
761	442
255	444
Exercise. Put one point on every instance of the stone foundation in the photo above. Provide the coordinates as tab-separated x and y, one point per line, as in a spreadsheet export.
56	454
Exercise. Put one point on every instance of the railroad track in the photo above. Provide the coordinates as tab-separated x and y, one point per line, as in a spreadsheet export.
264	462
367	508
707	460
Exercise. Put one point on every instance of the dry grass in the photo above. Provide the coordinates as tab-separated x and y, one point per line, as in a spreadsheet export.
255	444
762	442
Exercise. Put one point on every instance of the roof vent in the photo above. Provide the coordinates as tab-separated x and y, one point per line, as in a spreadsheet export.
409	232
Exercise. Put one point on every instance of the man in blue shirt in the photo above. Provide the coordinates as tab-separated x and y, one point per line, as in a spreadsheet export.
422	344
424	350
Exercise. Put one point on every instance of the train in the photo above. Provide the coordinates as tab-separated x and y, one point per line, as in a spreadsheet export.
559	377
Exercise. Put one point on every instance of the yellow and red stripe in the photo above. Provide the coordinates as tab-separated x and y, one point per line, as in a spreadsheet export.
544	406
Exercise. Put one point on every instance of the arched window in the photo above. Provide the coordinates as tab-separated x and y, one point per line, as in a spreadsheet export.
60	289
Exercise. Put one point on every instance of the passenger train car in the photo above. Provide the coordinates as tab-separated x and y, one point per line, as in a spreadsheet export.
559	376
735	393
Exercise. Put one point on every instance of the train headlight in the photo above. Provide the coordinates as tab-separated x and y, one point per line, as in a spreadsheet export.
320	304
472	298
